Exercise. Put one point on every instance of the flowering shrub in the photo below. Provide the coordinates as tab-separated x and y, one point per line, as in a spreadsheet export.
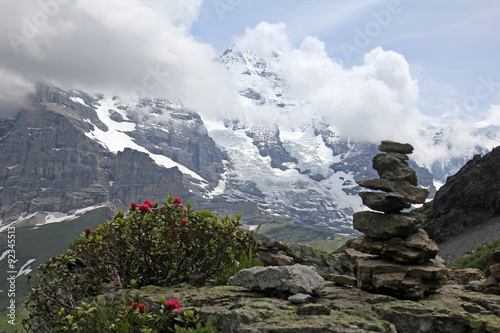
148	245
130	314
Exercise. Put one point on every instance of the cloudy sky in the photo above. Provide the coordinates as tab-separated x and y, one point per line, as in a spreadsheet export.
376	60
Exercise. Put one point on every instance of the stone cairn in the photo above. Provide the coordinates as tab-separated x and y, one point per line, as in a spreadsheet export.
395	256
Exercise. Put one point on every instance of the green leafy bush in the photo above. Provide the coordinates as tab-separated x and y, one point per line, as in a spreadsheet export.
246	260
148	245
478	258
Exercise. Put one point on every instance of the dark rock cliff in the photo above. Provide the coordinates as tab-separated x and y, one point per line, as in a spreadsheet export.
468	204
49	163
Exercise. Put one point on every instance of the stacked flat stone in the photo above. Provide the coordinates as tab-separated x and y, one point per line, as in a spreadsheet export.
492	284
401	258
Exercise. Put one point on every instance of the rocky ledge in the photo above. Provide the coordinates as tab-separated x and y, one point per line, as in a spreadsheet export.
335	309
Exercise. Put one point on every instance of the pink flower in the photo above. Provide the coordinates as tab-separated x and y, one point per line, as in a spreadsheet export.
144	207
181	207
88	231
133	206
183	223
149	203
134	305
177	201
173	304
120	316
142	307
53	257
174	234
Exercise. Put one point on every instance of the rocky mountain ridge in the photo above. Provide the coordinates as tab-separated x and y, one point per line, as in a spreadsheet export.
465	212
51	163
68	150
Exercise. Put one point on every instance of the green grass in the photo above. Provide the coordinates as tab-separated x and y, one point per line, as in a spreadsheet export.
294	234
477	259
41	244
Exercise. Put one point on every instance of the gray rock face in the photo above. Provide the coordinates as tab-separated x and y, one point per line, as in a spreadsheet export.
293	279
269	144
49	163
469	200
378	225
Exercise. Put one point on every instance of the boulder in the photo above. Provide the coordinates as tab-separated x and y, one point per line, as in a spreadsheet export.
490	286
385	202
415	194
378	225
414	248
292	279
495	271
493	257
464	276
392	168
388	146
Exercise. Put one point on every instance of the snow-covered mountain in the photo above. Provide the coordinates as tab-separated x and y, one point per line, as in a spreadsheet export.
70	151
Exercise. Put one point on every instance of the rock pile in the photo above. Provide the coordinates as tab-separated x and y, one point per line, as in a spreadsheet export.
397	257
492	284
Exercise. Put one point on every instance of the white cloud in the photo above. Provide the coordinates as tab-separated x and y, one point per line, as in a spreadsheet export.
493	117
140	47
370	102
374	101
265	38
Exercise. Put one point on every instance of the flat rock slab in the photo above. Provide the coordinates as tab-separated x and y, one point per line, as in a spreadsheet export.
378	225
451	309
415	194
395	147
385	202
414	248
294	279
342	279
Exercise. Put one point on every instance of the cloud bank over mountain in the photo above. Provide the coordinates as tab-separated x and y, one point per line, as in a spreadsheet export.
129	47
145	48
